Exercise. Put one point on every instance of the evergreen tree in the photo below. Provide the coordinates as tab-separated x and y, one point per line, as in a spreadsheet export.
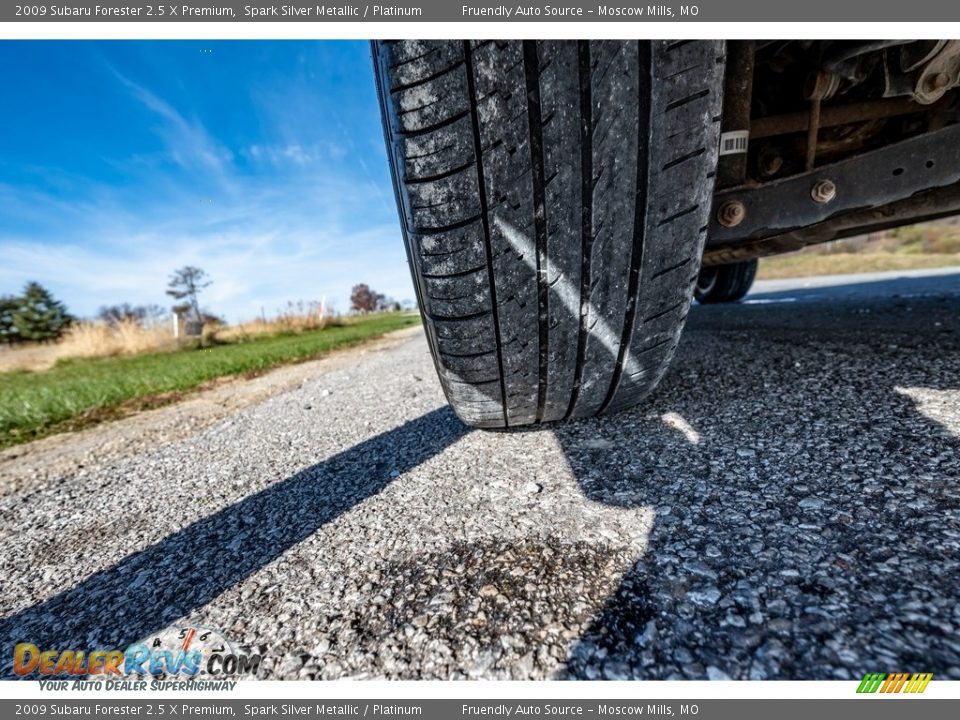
8	331
38	316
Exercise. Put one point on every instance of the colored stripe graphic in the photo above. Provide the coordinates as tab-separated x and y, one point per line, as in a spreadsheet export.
918	682
871	682
894	682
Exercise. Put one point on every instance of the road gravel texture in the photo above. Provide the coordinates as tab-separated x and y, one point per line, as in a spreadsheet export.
784	506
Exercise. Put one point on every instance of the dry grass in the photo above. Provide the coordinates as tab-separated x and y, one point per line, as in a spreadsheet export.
27	357
296	318
91	339
128	337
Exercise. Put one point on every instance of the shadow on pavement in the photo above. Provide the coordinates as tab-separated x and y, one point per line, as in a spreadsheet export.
807	515
136	597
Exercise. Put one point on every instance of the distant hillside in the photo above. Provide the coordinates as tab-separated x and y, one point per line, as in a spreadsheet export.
927	245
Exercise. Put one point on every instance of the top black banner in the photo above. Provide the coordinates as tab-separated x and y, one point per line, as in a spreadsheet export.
618	11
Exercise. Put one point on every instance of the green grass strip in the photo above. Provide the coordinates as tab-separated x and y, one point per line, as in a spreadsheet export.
81	392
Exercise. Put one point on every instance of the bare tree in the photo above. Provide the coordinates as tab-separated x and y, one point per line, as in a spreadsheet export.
121	312
363	299
186	284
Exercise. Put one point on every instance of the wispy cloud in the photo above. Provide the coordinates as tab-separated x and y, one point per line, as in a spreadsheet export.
188	142
261	184
300	155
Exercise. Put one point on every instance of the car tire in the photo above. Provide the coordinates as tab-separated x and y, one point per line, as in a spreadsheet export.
725	283
554	198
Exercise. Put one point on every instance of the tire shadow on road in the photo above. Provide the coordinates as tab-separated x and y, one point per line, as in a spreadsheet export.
807	514
150	589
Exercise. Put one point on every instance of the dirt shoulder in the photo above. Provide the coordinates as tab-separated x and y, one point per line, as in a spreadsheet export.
46	460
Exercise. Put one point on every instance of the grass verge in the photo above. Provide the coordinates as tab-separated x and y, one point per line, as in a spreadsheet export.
80	392
809	265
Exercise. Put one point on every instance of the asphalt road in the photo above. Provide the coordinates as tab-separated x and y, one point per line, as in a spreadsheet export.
784	506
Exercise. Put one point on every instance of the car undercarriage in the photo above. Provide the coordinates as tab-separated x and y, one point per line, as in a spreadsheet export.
827	139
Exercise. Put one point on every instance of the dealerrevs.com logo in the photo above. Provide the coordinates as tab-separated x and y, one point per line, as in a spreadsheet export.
185	653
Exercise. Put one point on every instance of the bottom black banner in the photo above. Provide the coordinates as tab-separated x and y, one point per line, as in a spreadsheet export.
874	707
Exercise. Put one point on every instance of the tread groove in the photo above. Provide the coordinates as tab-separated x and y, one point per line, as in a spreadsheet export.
655	346
478	155
531	65
458	318
440	229
440	298
586	213
433	128
467	355
401	113
439	176
451	276
413	59
660	314
431	153
683	158
670	269
425	80
639	221
687	100
677	216
678	73
458	381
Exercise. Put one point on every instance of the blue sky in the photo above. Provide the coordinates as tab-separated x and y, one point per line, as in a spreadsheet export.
261	162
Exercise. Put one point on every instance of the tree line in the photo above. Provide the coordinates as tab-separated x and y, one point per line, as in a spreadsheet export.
37	316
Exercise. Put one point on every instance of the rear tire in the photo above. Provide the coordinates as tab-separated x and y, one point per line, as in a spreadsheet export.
725	283
554	197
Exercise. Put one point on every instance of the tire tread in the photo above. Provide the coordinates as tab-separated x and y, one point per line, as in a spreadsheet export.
554	198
